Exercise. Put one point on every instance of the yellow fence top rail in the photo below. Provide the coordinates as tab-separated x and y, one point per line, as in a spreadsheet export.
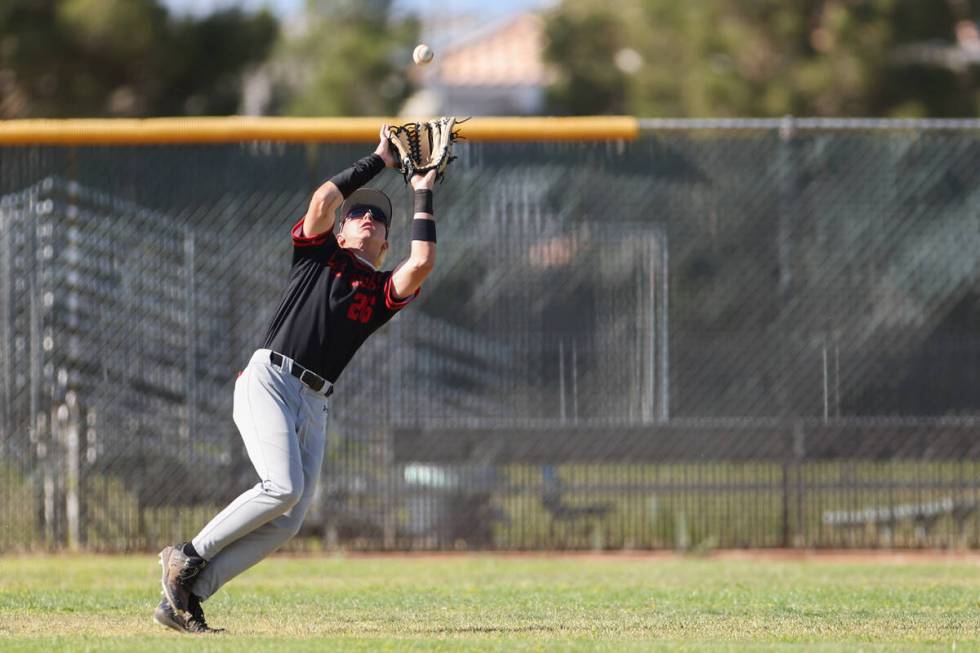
156	131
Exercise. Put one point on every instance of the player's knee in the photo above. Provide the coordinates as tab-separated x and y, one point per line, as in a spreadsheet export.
286	494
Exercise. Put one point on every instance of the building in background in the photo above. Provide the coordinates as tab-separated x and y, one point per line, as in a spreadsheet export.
491	69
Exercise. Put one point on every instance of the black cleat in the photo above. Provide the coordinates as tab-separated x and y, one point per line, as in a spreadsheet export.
195	622
165	616
179	570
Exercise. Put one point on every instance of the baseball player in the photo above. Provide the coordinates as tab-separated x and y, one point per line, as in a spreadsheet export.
335	298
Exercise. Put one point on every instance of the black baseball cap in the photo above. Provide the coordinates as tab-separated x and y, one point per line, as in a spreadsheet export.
372	198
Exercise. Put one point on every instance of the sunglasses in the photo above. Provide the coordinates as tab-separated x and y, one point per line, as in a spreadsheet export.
360	211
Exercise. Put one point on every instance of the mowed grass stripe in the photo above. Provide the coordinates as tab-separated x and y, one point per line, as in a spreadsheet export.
503	603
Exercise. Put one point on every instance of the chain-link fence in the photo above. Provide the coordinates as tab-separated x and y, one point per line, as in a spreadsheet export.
727	333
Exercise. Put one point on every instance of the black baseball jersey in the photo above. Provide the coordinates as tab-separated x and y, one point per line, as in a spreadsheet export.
333	302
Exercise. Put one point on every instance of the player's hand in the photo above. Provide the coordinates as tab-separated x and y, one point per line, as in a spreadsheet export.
426	182
384	149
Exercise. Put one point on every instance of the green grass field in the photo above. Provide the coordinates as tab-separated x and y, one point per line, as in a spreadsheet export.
483	603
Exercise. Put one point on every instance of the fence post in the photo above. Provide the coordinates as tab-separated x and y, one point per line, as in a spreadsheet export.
788	392
190	360
785	533
664	253
389	517
799	454
787	464
787	195
68	427
6	333
792	467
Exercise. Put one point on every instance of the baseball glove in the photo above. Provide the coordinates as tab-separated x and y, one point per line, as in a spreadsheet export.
424	146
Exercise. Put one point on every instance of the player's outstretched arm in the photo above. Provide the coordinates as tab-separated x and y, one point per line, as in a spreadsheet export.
410	273
321	214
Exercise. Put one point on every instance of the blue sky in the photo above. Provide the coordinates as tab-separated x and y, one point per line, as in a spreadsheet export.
290	7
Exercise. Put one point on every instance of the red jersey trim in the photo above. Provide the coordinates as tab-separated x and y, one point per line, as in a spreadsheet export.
299	240
396	304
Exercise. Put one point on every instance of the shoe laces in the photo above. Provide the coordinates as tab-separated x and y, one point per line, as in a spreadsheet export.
190	568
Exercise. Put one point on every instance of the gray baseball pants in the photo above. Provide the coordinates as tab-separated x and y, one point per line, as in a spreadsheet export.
284	426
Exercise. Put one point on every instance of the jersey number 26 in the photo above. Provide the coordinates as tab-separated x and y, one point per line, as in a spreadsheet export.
360	310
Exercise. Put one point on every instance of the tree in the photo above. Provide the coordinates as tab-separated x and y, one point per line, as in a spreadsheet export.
583	40
62	58
348	59
761	58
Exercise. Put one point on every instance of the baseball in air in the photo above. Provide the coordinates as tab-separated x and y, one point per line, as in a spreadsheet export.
422	54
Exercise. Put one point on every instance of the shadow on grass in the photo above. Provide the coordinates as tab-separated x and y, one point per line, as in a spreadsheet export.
488	629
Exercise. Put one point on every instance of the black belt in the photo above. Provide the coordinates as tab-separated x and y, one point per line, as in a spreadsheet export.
311	380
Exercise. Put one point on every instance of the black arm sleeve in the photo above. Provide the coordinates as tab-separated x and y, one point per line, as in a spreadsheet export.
358	174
